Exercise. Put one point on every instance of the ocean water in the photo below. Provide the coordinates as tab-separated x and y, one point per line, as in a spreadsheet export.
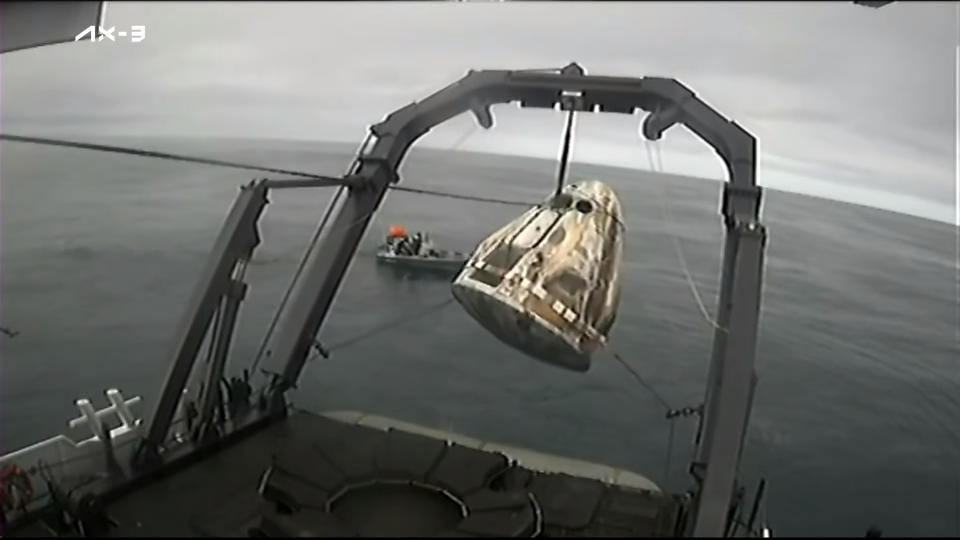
857	414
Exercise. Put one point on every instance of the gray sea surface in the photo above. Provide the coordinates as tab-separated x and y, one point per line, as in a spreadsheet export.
857	413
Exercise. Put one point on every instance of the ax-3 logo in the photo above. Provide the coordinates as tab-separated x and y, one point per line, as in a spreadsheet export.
97	33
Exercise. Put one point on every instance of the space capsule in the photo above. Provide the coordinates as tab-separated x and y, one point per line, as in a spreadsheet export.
548	283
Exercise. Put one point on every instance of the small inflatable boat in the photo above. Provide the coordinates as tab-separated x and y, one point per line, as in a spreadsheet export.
417	252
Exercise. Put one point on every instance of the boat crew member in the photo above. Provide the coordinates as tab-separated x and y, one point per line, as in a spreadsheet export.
398	240
403	246
417	243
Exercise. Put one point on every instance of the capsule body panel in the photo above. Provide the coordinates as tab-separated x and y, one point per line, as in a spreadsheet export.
548	283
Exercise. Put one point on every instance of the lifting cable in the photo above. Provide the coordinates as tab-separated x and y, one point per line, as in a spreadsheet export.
565	151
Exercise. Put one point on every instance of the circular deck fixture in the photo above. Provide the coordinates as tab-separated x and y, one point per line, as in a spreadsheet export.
399	509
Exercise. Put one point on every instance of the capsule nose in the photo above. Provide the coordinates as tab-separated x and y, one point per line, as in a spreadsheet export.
602	194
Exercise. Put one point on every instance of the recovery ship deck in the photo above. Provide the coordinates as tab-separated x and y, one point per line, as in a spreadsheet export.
328	475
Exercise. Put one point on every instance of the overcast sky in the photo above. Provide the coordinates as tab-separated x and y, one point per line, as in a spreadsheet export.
847	102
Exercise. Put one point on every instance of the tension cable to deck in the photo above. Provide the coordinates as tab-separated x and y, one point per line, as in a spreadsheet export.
670	413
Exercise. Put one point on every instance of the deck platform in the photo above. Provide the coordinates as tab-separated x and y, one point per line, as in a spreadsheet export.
331	475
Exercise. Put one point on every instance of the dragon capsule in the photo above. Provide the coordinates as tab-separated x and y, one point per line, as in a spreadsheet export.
548	283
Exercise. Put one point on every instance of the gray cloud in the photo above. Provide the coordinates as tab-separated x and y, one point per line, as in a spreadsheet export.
836	93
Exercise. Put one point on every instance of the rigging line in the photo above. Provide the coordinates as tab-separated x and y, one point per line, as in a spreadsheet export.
211	347
352	168
314	240
391	324
463	138
640	380
163	155
655	158
355	164
671	435
262	349
669	457
476	198
190	159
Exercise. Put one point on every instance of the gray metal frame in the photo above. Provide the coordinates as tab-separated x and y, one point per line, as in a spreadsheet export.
58	22
731	376
729	392
235	244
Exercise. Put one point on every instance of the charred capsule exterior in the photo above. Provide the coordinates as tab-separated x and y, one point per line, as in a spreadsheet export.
548	283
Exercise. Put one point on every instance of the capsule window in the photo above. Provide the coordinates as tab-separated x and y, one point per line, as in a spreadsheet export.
486	277
505	257
557	236
566	287
571	283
